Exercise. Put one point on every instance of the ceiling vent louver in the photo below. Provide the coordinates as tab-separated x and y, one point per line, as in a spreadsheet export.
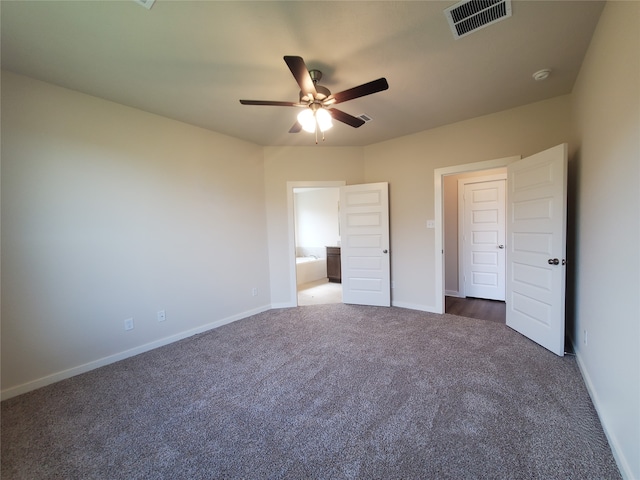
365	117
468	16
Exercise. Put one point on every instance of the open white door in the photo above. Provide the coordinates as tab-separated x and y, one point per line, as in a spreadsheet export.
536	231
364	233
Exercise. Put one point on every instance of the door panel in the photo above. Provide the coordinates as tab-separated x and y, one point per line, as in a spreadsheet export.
536	226
483	239
364	230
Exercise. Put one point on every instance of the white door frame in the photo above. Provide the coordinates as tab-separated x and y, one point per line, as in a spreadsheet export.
438	175
293	288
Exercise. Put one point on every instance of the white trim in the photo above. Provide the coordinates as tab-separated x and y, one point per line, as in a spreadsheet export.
453	293
616	449
293	287
72	372
284	305
413	306
438	173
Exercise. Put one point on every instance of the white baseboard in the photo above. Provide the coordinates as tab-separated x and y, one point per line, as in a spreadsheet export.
453	293
618	454
413	306
72	372
284	305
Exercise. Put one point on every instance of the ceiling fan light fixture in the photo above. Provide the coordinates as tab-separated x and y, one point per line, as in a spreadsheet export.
315	99
307	120
324	119
310	119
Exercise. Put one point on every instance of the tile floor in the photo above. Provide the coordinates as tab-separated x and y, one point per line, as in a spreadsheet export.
319	292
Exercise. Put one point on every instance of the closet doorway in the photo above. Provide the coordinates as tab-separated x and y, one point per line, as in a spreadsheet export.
450	296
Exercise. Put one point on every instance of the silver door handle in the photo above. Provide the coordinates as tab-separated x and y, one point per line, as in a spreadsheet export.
385	251
500	246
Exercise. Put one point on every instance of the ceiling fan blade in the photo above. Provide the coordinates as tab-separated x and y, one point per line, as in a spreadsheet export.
359	91
301	74
339	115
268	102
296	128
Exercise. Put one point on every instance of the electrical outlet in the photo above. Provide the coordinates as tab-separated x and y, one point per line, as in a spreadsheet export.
254	292
162	315
128	324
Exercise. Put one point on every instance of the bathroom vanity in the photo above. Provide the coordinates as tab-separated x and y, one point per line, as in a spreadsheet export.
333	265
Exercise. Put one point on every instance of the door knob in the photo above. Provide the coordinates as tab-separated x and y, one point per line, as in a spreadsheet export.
385	251
554	261
500	246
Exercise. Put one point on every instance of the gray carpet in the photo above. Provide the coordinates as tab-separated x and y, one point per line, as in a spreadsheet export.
318	392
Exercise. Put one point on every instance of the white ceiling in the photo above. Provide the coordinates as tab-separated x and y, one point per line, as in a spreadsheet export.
193	61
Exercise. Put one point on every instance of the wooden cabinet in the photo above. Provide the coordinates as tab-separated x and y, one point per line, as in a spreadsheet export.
333	264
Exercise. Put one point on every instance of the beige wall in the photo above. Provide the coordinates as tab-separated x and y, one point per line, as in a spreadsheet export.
408	164
316	220
109	213
298	164
607	262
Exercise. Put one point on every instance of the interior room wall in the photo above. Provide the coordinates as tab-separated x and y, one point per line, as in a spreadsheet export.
111	213
607	262
298	164
408	164
316	220
450	227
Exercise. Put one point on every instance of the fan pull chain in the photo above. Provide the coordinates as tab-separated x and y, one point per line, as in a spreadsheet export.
317	135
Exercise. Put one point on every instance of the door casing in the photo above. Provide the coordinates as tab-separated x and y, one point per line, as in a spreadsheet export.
438	175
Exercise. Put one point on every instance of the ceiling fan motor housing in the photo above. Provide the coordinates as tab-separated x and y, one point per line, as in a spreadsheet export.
322	93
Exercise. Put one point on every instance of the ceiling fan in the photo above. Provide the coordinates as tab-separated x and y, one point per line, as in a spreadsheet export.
317	101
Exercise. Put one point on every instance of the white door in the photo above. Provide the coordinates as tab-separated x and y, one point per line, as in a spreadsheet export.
483	239
364	233
536	226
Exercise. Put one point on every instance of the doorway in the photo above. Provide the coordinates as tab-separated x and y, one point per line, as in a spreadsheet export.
536	228
316	227
446	250
475	203
364	255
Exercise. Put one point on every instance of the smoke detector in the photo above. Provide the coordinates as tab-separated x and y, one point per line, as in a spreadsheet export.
541	75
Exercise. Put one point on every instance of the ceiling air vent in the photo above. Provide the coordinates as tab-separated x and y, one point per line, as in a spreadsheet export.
468	16
365	117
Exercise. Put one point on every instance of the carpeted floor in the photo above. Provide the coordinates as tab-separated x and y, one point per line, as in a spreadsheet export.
318	392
